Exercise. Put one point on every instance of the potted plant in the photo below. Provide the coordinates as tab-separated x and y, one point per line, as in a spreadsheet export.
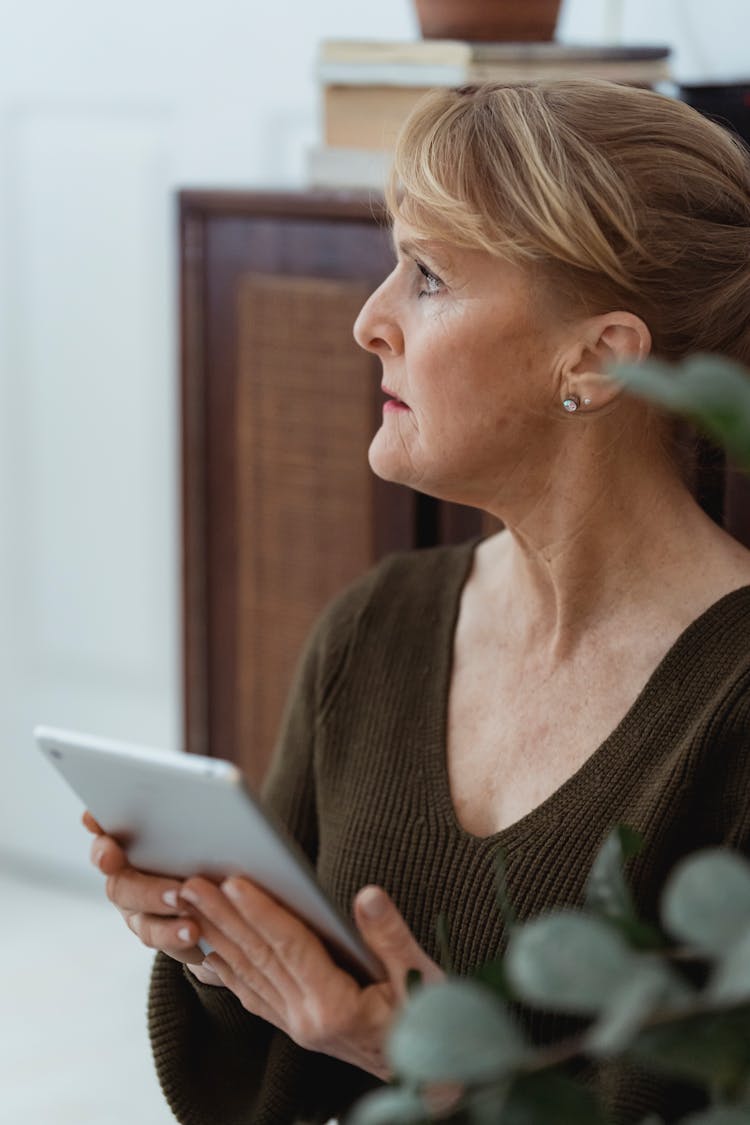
500	21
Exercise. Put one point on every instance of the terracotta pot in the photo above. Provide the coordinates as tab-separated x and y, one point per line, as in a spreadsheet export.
513	21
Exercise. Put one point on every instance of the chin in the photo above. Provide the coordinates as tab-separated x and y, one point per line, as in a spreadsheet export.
391	459
390	462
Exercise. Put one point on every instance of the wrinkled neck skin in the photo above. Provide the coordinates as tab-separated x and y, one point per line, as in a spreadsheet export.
607	535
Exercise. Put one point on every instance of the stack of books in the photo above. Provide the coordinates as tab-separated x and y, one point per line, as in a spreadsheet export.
368	87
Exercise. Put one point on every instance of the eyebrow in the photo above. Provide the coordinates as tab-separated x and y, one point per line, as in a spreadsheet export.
410	245
414	248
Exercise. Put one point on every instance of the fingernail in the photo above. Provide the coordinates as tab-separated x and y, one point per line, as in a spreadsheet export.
209	967
96	853
184	935
169	898
231	890
189	895
372	903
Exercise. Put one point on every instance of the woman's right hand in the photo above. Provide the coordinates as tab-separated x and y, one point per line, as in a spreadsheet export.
150	904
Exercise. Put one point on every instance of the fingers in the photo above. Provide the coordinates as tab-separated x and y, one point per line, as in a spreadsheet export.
152	909
92	825
177	937
248	996
388	935
205	974
272	962
149	904
135	891
279	969
107	855
234	931
131	890
291	941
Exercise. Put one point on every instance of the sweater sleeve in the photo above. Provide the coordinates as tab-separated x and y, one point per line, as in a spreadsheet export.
729	794
216	1063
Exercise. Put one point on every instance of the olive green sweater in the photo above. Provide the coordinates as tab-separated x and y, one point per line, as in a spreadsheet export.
360	778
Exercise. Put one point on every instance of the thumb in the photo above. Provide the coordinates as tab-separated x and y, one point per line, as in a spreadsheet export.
389	937
93	825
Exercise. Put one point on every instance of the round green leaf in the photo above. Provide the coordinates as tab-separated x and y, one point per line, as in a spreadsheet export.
550	1098
719	1115
568	962
455	1031
650	988
485	1105
706	900
712	1048
731	980
606	889
390	1107
713	391
607	892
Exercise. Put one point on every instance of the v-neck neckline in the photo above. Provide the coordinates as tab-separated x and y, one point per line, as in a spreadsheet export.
591	769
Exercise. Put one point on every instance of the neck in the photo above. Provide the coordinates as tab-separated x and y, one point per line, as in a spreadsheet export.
585	560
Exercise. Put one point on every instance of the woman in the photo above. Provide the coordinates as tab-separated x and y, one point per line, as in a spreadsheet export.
586	665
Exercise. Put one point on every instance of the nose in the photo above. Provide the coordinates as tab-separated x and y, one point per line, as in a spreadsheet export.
376	329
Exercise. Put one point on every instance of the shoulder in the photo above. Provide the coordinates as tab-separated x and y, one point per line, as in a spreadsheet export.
733	711
401	596
724	633
722	698
727	773
405	581
706	686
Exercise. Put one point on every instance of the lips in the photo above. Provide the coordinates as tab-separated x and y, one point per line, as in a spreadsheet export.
393	400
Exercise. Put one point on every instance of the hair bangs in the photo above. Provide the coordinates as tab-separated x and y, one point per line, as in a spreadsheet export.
433	180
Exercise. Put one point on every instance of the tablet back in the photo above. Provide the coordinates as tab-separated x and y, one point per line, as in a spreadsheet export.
181	815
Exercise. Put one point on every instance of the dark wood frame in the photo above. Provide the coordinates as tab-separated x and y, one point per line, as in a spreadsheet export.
208	498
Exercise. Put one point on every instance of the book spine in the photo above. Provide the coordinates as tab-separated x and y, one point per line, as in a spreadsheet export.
366	116
629	73
387	74
638	72
419	52
348	167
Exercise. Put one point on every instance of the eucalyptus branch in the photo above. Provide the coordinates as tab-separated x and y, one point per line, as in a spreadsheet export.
587	963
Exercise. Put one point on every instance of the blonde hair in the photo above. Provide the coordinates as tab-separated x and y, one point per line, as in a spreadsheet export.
623	198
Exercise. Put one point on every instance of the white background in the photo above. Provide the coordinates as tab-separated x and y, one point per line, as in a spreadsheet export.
104	111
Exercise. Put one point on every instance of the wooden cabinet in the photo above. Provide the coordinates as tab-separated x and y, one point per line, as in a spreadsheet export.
279	405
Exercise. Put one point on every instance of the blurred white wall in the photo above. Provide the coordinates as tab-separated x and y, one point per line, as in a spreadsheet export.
104	111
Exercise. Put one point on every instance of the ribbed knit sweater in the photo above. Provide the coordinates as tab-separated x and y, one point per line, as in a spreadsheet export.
360	779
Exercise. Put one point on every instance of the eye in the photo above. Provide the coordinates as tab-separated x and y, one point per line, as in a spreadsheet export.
433	284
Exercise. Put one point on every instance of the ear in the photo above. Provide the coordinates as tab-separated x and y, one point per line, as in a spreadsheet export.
602	342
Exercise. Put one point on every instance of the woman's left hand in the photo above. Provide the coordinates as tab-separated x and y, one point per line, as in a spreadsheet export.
280	970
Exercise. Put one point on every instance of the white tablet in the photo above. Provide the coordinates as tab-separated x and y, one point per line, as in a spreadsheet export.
181	815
